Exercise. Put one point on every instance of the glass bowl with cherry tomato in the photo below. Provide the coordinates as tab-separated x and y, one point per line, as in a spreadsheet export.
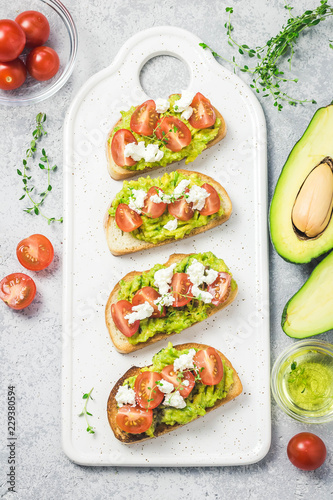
37	50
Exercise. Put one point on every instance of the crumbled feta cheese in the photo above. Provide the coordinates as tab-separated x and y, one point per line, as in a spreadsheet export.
211	276
187	113
196	272
206	297
165	386
174	399
171	225
162	105
137	200
165	300
185	383
125	396
197	195
156	198
163	277
141	311
185	361
149	153
185	101
179	190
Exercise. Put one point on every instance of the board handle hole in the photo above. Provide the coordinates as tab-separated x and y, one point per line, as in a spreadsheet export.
164	75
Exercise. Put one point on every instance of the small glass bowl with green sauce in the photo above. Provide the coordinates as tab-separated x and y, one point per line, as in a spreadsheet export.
302	381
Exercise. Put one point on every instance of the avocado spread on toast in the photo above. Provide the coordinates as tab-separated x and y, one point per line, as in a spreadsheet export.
152	230
201	397
200	139
176	319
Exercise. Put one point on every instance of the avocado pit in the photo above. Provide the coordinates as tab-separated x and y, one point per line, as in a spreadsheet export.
313	205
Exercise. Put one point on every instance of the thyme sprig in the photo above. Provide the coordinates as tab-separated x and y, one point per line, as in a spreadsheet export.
268	78
44	164
85	412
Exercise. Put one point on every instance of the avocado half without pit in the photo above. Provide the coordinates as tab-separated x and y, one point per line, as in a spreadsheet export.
310	311
301	222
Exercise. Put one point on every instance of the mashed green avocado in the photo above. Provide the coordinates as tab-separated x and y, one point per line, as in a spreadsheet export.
200	139
201	397
152	230
176	319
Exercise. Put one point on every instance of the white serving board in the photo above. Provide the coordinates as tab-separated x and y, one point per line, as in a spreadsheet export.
239	432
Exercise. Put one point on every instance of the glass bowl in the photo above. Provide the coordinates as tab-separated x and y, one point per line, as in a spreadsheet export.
302	381
63	38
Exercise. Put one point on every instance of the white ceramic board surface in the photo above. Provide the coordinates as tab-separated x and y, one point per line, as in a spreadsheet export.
239	432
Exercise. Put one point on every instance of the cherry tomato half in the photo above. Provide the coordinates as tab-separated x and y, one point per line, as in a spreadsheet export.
127	219
17	290
306	451
144	118
43	63
120	139
12	40
133	419
173	132
212	203
118	312
220	289
148	294
181	289
210	366
147	392
181	209
177	378
203	115
35	26
12	74
152	209
35	253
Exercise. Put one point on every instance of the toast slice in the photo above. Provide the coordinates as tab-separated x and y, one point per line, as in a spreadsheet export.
121	243
119	173
235	390
120	340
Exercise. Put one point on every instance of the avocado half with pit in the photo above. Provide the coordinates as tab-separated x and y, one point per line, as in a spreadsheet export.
301	222
310	311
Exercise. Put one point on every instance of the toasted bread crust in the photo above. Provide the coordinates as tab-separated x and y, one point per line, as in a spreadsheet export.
119	340
119	173
161	429
121	243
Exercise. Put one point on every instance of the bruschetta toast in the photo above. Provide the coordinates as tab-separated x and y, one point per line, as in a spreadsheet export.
184	383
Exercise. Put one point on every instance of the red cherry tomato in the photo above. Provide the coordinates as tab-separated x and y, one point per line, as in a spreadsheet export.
118	312
220	289
12	40
148	294
147	392
120	139
35	26
144	118
35	253
181	209
12	74
133	419
306	451
173	132
43	63
203	115
168	373
212	203
17	290
152	209
210	366
127	219
181	289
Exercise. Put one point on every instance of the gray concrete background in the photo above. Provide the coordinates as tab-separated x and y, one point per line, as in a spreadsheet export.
30	341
